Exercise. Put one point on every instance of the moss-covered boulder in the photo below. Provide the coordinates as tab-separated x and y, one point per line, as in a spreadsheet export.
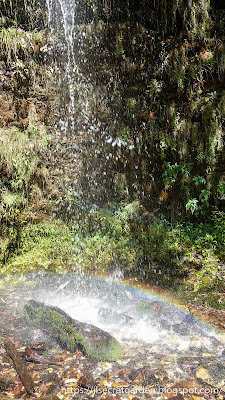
72	334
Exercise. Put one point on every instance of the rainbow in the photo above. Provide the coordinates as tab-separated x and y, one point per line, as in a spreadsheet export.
148	293
137	290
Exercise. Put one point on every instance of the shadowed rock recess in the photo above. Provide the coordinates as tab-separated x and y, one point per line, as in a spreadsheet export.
148	100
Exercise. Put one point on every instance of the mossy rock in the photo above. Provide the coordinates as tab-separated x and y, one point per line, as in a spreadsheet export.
72	334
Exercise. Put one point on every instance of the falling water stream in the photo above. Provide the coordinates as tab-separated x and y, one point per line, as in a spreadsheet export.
61	19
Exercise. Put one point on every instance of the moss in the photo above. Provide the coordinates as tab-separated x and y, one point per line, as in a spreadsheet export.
94	342
132	107
184	256
21	152
96	241
119	45
221	105
24	183
16	43
208	114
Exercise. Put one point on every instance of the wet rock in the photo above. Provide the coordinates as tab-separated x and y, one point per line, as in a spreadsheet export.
71	334
188	328
182	329
211	371
187	363
134	374
170	318
161	312
87	381
109	316
217	371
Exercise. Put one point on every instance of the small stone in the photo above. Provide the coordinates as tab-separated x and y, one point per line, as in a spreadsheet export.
202	373
217	371
87	381
49	377
133	374
149	378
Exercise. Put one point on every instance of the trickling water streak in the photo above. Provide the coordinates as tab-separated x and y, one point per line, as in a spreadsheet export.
62	12
79	121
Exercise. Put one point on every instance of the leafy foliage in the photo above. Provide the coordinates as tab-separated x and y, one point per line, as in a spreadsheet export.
183	257
165	130
203	246
23	181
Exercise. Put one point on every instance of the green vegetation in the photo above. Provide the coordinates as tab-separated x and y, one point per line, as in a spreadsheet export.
185	257
29	15
95	242
15	43
204	255
23	182
166	129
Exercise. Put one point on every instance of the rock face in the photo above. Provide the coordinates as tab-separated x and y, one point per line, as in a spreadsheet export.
70	333
161	312
169	317
109	316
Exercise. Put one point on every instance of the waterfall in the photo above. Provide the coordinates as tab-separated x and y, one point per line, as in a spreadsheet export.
61	21
74	119
80	133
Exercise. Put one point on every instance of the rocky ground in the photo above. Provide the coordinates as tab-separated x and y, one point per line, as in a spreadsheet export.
173	366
